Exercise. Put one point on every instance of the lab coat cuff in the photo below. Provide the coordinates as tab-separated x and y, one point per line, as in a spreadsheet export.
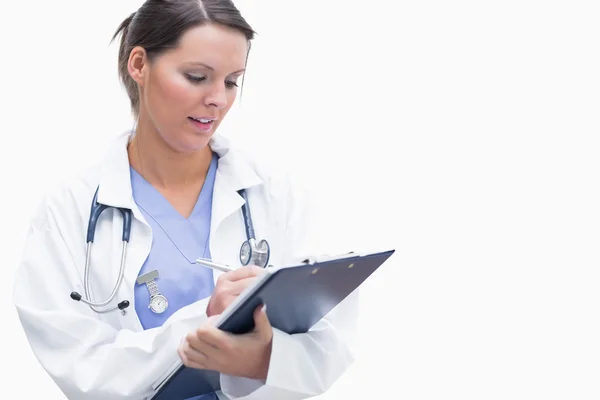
238	388
284	374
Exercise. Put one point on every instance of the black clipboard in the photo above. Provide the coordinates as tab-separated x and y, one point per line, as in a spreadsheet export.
297	298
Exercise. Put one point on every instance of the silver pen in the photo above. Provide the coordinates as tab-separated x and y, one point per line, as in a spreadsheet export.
211	264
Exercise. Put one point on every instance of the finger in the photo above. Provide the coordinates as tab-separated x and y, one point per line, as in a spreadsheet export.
234	287
189	361
256	269
261	320
215	338
198	340
193	364
190	353
247	271
237	287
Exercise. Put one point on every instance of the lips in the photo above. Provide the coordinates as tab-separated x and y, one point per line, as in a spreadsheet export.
202	124
203	120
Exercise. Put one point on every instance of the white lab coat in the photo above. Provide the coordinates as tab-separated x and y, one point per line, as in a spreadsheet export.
110	356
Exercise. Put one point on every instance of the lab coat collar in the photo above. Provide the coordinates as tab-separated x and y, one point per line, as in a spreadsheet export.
234	172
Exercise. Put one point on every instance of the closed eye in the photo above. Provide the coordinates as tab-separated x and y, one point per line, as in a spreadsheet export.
195	79
198	79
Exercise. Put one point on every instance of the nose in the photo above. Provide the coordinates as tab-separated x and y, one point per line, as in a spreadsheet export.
217	96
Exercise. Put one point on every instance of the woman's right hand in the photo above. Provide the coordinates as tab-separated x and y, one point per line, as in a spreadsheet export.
229	286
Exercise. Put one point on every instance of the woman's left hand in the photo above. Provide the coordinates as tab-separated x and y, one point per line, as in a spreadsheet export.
246	355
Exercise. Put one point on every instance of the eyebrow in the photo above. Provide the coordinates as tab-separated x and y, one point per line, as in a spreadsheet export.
211	68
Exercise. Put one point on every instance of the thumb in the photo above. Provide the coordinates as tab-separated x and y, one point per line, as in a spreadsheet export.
261	320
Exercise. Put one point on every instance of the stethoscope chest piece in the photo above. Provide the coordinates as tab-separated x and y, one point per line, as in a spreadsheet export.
256	253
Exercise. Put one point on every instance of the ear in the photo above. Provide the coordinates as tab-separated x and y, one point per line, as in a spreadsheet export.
137	65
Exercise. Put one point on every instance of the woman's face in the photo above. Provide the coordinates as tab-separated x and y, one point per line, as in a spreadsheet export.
186	92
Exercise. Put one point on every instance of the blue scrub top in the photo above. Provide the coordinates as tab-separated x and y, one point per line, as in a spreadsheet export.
177	242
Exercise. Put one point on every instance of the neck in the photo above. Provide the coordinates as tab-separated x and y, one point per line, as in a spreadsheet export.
164	167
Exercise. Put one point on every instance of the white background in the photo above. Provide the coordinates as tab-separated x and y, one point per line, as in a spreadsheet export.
463	134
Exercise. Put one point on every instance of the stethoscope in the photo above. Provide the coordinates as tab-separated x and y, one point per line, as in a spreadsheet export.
251	251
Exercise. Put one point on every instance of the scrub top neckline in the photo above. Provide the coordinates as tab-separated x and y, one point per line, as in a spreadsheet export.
160	208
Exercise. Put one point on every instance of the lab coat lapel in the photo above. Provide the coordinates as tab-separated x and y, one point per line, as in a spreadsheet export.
227	232
115	191
226	201
234	172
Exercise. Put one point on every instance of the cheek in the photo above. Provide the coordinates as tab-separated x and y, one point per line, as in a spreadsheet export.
170	93
231	96
177	89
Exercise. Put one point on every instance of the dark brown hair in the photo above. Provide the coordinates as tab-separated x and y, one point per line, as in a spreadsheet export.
158	25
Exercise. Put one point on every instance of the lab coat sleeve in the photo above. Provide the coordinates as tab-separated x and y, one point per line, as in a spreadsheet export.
87	358
303	365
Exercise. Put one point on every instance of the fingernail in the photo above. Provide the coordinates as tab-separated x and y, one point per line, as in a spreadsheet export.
264	308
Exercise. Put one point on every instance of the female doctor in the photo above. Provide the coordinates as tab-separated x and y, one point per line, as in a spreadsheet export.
181	63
